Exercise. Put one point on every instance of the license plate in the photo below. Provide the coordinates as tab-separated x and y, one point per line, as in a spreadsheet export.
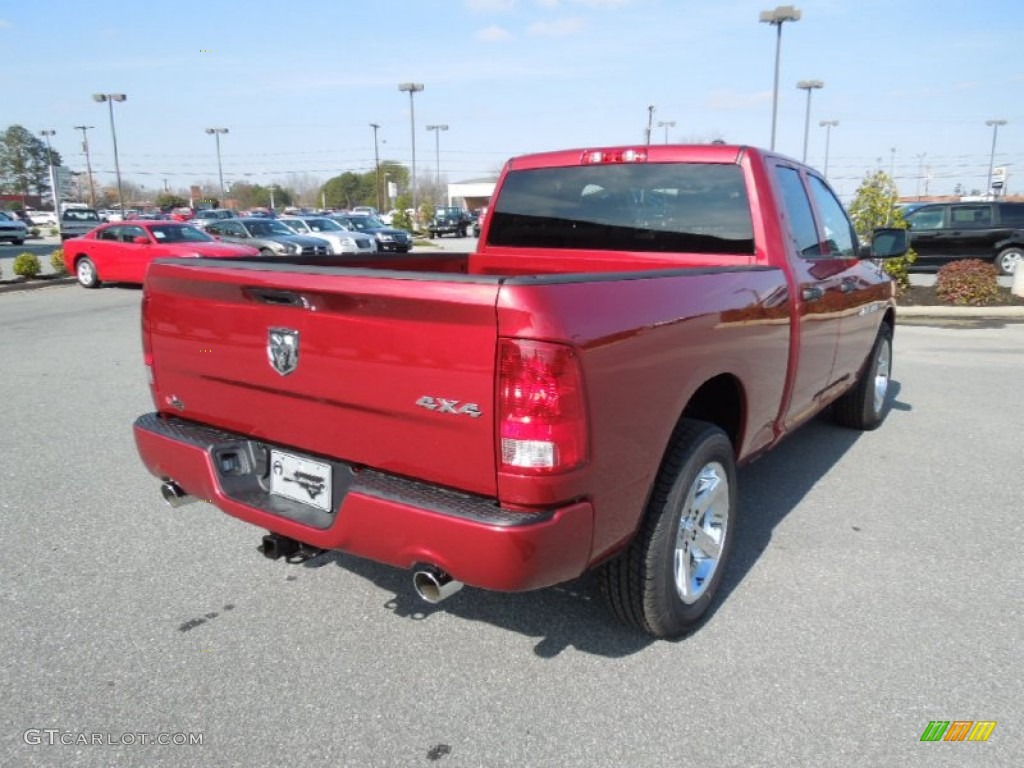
300	479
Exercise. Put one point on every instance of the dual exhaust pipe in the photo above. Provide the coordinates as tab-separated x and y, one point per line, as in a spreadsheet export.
431	583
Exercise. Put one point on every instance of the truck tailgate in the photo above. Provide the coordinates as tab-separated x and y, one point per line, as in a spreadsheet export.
378	352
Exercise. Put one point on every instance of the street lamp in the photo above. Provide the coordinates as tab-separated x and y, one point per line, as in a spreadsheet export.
216	132
110	98
437	150
828	125
412	88
666	124
46	134
920	171
376	163
778	17
992	158
808	85
650	120
88	162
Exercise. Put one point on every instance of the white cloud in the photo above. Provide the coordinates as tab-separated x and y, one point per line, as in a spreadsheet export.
490	6
4	24
492	34
729	100
558	28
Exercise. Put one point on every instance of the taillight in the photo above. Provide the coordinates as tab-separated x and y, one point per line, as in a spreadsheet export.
541	414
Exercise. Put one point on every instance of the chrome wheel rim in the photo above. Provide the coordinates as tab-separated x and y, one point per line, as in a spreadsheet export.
700	538
1010	261
85	272
882	366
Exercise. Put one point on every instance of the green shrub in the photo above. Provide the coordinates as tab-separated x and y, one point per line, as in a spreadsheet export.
57	261
970	281
402	220
54	231
34	231
27	265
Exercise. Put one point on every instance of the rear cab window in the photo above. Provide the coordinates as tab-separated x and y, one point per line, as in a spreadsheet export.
642	207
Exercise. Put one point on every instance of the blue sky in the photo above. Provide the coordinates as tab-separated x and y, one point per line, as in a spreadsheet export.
298	83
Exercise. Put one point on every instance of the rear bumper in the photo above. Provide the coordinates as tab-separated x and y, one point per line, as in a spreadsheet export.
377	516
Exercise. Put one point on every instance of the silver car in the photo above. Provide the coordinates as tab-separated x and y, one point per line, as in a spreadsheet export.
343	242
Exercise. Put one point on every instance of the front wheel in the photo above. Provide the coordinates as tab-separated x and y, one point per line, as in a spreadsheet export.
86	273
1009	259
666	580
865	405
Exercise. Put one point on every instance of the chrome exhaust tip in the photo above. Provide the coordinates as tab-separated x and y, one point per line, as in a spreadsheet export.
434	585
175	495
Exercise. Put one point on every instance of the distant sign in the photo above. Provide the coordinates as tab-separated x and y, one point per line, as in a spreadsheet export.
999	177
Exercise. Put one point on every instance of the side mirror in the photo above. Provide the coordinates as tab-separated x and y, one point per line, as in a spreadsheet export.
140	240
888	243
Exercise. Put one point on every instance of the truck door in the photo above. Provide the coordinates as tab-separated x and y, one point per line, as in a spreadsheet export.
817	287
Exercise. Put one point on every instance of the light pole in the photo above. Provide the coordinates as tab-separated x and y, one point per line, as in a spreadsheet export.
992	157
920	172
666	124
110	98
46	134
216	133
828	125
437	151
808	85
650	121
88	162
778	17
412	88
376	163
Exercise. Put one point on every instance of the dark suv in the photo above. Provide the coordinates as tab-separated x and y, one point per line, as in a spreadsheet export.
992	231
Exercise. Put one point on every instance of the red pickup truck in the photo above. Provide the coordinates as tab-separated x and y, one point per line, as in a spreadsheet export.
575	394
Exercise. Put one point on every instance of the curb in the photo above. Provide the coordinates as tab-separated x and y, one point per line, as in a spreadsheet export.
951	313
31	285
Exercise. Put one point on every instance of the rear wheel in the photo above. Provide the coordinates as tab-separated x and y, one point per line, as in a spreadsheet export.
266	252
18	241
86	273
865	406
1009	259
666	580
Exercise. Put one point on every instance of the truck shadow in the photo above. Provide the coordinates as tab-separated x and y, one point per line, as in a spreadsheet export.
572	615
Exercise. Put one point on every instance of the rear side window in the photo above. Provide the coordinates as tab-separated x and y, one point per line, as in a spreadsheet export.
971	216
645	207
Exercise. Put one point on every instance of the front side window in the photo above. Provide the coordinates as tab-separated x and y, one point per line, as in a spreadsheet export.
931	217
839	234
110	233
645	207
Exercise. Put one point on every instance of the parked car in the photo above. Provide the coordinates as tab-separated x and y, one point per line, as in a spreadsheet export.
12	228
182	214
75	222
343	242
271	237
992	231
204	217
388	238
478	222
120	252
449	220
43	218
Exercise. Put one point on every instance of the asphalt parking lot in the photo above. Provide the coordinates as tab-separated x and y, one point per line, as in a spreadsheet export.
876	586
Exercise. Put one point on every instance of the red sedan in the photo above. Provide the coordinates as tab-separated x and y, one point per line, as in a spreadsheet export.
120	252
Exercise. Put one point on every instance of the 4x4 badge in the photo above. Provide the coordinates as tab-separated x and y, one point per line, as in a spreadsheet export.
283	349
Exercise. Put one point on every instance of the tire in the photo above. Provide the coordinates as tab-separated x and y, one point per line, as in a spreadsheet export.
667	578
86	273
867	403
1009	259
17	242
266	252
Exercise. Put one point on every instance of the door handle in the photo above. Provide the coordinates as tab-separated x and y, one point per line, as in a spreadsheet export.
812	294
